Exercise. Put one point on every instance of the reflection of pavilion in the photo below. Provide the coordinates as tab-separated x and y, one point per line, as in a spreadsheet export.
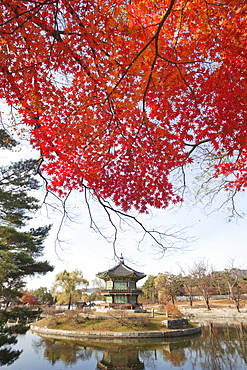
120	359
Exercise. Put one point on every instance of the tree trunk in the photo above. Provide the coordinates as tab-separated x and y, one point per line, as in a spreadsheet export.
191	300
237	304
153	295
207	303
69	304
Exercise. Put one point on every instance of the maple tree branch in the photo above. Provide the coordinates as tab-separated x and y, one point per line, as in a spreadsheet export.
108	207
149	81
194	146
214	192
164	240
184	181
160	24
62	202
73	12
168	12
47	190
186	83
55	33
93	224
18	15
208	187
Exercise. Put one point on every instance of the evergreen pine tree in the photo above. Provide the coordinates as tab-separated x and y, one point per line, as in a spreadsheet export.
19	249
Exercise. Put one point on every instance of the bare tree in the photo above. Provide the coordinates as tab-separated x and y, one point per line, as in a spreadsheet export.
188	282
233	278
203	278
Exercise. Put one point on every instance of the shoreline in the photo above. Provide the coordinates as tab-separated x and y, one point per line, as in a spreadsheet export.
220	315
71	334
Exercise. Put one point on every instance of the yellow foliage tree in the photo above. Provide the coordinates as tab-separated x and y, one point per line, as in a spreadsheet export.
68	287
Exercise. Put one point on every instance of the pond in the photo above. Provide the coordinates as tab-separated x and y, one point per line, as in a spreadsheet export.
220	347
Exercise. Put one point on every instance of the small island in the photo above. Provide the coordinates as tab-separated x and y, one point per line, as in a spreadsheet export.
75	325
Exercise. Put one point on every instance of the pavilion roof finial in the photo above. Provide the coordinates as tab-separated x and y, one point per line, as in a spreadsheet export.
121	259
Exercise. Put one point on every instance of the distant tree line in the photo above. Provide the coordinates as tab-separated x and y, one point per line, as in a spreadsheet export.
199	280
67	289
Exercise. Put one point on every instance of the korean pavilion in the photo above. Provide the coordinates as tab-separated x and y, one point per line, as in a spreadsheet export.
120	286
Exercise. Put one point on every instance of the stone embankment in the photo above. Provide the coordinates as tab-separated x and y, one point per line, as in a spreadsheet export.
79	335
222	315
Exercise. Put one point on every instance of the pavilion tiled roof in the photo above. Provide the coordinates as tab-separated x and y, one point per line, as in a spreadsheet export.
121	270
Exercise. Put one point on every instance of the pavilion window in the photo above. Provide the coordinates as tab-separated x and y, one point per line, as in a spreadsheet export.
109	284
132	285
120	285
133	299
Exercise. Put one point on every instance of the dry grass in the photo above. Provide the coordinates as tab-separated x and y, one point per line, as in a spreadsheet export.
123	322
218	304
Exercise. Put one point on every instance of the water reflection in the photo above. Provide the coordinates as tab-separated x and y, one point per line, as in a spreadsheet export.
8	356
119	358
134	355
67	352
221	347
8	337
218	348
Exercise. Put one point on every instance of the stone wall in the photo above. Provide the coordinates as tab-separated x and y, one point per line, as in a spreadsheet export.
77	335
176	324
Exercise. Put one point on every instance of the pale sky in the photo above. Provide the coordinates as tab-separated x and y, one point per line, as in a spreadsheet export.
215	239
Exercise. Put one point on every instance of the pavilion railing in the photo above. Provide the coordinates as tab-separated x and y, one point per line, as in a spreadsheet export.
121	305
122	291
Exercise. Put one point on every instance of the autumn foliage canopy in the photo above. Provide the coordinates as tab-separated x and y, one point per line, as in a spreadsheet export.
120	94
28	297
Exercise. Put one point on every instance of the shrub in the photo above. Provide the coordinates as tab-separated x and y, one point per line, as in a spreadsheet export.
75	317
141	321
171	309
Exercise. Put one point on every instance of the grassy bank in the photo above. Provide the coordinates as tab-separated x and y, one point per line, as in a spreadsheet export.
117	321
